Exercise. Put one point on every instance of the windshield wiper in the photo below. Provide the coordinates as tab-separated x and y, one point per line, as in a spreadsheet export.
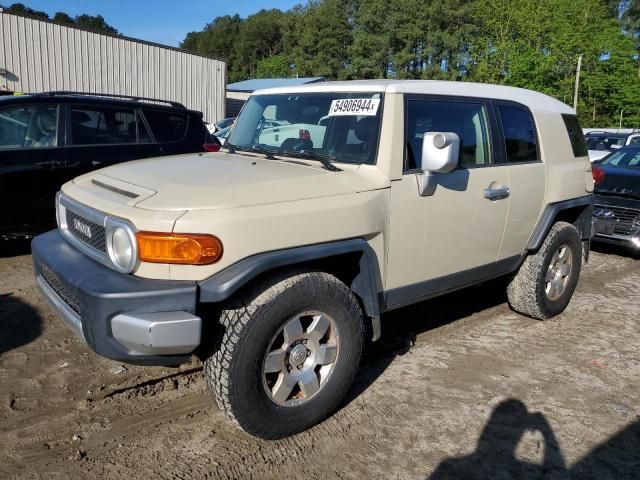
230	147
324	159
257	149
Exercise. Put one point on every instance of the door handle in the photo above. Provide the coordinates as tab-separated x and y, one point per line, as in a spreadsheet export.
95	163
496	193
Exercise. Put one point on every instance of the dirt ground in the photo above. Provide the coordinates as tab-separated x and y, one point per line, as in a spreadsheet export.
459	387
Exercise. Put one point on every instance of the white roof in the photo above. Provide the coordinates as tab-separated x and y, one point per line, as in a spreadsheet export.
536	101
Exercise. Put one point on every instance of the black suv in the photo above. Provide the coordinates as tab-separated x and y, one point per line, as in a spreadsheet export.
47	139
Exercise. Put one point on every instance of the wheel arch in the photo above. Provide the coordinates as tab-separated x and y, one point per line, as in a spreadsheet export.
352	261
577	211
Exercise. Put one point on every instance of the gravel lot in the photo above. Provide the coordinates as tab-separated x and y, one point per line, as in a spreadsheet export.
460	387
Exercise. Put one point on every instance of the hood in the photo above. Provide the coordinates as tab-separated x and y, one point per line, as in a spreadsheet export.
619	181
223	180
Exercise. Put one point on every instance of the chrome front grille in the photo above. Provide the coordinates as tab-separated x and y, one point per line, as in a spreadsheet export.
623	218
70	299
89	231
86	231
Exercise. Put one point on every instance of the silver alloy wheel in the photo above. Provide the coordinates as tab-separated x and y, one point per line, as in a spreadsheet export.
558	272
300	358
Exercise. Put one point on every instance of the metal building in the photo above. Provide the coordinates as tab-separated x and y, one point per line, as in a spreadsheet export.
38	56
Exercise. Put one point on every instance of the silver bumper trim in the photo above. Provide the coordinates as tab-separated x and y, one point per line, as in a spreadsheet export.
161	333
69	317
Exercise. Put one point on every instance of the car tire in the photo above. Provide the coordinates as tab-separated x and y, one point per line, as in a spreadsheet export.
247	386
542	287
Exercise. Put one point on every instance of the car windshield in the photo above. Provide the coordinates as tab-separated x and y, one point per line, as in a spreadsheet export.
339	126
604	142
223	132
624	158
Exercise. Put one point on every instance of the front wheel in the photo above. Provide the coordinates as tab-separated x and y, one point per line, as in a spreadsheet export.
289	353
546	280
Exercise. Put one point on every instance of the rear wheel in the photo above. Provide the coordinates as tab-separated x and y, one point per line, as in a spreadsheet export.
289	353
546	280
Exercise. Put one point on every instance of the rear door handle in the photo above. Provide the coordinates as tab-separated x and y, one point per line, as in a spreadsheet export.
496	193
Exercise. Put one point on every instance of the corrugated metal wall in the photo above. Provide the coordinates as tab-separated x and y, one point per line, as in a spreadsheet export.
41	56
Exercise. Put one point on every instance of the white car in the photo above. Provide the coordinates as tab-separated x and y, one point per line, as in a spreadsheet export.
600	143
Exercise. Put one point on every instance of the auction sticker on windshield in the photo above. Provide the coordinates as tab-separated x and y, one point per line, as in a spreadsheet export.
354	106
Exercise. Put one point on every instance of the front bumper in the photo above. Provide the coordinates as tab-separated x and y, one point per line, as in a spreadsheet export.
613	221
122	317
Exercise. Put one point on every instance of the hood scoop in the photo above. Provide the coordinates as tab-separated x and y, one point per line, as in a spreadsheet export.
113	189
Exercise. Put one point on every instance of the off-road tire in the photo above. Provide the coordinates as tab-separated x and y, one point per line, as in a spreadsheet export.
250	320
526	291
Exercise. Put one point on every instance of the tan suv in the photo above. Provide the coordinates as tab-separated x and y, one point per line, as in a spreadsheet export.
333	204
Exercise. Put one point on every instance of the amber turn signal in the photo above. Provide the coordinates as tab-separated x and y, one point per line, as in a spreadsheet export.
180	248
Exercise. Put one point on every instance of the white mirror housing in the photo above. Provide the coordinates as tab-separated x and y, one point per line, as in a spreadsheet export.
440	151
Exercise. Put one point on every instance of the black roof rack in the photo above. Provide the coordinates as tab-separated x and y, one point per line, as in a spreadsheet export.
113	95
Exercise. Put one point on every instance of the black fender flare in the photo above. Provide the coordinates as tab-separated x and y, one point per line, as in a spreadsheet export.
551	212
367	284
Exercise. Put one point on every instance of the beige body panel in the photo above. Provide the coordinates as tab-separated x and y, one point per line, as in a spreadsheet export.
217	181
566	177
453	230
263	228
526	197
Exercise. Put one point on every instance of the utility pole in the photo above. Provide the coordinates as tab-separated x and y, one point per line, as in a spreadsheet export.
575	93
621	111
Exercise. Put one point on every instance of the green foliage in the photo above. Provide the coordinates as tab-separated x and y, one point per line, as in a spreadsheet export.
275	66
526	43
96	22
22	9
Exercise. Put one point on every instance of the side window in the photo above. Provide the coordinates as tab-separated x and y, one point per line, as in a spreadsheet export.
104	126
33	126
576	137
166	126
468	120
635	140
519	134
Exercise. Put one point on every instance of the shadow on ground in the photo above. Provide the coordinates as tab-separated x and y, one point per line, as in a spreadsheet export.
401	327
619	250
495	454
19	323
13	248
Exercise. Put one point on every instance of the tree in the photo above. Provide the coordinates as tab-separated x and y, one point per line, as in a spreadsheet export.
96	23
322	35
533	44
63	19
275	66
91	22
20	9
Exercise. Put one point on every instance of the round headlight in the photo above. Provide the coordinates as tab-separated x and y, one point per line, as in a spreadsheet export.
121	248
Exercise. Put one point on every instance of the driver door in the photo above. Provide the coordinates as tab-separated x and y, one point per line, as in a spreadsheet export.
453	237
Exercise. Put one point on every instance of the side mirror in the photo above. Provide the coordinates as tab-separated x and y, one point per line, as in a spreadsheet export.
440	151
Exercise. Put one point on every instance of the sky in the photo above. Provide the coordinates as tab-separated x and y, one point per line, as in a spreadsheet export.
162	21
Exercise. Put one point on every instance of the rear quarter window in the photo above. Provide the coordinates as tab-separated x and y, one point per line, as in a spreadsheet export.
576	137
166	126
518	128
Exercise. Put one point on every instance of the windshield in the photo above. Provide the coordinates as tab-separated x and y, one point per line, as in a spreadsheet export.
604	142
343	127
625	158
